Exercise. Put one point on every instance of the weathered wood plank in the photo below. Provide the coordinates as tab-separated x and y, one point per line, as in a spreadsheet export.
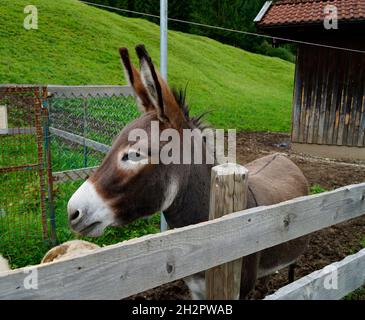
15	131
331	283
342	111
97	146
3	117
352	82
73	175
317	97
361	140
338	92
89	91
128	268
297	99
359	93
325	101
351	126
312	74
263	11
333	96
355	79
305	86
229	185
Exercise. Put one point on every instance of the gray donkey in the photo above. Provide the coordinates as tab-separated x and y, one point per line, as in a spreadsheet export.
127	187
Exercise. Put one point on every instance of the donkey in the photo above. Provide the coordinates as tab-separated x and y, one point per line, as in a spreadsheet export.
127	186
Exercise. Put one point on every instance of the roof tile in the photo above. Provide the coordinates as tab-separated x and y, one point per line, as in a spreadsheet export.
286	12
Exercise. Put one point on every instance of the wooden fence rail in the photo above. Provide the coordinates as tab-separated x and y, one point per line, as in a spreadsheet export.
73	175
331	283
92	144
134	266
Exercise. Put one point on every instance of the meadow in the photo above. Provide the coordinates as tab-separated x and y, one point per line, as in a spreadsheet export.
76	44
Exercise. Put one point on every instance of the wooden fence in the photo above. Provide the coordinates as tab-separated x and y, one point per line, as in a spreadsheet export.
131	267
341	278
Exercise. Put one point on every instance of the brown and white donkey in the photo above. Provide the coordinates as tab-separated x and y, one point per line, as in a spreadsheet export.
126	187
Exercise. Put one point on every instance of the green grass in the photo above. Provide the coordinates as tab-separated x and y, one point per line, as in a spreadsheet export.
20	203
20	212
362	242
316	189
357	295
21	228
77	44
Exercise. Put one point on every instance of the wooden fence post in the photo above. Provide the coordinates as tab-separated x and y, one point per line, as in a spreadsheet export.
3	117
228	194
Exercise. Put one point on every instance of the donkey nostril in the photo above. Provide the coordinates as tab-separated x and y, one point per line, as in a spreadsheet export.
75	215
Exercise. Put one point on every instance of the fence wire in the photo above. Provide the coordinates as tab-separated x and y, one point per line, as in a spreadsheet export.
47	137
83	124
83	127
24	174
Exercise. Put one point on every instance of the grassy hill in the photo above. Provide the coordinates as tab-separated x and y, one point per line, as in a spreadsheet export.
77	44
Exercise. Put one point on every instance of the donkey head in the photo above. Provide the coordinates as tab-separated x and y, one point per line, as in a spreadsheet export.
128	185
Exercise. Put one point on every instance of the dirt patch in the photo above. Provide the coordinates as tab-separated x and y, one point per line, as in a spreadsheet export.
329	175
327	246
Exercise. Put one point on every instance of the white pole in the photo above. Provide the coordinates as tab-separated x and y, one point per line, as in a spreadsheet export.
163	31
163	63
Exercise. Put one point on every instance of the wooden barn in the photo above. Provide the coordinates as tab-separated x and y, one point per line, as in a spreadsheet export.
328	117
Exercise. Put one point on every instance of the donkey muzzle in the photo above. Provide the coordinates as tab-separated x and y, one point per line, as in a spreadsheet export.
88	213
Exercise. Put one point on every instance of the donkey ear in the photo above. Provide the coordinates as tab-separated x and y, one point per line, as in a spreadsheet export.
160	94
134	78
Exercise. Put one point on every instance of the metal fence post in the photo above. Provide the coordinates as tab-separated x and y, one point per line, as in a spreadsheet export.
48	157
85	134
163	49
164	37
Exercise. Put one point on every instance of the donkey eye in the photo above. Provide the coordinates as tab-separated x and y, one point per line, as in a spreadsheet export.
132	156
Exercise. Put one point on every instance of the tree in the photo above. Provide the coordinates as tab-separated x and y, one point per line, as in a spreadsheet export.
231	14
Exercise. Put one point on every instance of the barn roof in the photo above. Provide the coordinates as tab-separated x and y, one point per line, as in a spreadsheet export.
308	12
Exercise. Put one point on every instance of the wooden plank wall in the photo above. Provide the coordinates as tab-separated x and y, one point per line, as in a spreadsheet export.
329	97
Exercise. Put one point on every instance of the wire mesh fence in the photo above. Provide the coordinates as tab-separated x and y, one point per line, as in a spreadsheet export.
47	135
25	201
83	124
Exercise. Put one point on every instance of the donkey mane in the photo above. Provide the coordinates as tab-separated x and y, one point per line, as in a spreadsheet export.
194	122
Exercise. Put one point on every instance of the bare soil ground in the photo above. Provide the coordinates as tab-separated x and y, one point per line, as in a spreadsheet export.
327	246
